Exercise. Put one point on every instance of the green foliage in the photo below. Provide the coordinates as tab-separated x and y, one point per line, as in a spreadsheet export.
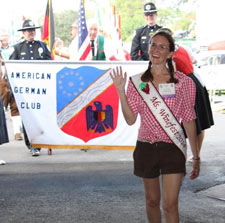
166	17
184	21
63	22
172	17
131	13
132	17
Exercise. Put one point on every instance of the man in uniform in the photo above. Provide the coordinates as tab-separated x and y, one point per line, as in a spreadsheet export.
140	42
30	49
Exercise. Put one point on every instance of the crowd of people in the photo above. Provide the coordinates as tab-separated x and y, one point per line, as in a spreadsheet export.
169	82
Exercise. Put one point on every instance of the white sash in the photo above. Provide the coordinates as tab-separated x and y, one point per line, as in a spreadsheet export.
161	112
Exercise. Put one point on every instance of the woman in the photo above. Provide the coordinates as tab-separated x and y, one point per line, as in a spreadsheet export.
163	99
3	129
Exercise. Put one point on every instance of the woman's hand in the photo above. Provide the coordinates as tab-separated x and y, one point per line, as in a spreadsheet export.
195	169
119	79
190	128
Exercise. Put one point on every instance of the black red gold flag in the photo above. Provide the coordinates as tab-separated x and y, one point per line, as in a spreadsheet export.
48	34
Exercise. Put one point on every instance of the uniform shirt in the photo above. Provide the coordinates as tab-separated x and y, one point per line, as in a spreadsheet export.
31	50
140	42
182	106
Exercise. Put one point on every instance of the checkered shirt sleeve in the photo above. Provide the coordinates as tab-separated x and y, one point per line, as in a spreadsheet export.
188	99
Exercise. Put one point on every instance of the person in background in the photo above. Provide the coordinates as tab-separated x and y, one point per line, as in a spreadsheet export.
73	48
30	49
72	52
204	117
3	128
142	36
161	96
6	49
101	47
7	97
61	53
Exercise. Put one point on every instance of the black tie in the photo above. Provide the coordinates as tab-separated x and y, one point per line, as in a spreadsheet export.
93	48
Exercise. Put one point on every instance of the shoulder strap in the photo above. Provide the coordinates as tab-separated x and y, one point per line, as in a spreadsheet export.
100	47
43	47
101	42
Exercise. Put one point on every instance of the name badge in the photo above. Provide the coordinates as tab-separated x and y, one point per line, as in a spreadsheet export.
167	90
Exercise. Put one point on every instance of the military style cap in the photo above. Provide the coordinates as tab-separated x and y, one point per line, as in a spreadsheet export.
149	9
28	24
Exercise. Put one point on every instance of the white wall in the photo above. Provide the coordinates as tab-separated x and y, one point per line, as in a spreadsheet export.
210	17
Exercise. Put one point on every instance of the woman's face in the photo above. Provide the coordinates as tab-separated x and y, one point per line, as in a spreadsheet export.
159	50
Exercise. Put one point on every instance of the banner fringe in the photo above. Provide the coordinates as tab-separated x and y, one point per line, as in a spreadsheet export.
83	147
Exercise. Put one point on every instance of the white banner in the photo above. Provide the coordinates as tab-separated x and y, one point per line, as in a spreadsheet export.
52	97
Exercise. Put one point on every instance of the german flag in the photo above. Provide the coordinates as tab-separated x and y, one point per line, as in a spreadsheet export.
48	34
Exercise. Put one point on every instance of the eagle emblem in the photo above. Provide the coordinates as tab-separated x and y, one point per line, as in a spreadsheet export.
99	120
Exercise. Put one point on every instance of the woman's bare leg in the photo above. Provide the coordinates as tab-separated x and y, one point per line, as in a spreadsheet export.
200	139
152	196
171	184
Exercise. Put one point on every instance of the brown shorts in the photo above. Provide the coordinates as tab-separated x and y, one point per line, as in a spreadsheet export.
151	160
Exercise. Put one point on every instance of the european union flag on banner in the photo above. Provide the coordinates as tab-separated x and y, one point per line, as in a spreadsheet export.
87	102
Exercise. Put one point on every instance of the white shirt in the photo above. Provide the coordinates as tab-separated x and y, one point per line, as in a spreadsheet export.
73	49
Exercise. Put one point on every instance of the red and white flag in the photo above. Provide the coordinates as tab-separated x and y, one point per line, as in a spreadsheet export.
84	47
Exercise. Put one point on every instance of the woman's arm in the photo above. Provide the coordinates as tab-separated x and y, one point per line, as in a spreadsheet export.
119	80
190	128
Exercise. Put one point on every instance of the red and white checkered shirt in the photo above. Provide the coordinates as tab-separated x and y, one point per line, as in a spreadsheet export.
182	106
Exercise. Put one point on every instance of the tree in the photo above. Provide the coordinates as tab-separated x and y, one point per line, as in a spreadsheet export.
172	17
63	22
131	17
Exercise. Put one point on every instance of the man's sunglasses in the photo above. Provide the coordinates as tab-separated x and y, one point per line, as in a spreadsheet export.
29	30
149	13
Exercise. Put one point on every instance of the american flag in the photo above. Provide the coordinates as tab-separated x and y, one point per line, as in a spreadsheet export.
84	47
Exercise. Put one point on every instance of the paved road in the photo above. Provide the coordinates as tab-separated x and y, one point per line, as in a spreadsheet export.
98	186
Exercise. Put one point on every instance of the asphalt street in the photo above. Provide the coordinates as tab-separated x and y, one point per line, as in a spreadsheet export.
98	186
